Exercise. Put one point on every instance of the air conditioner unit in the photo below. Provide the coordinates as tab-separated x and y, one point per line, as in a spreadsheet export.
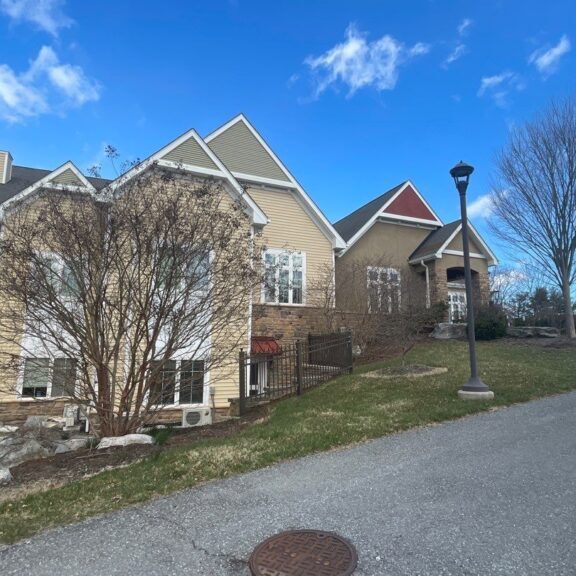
196	417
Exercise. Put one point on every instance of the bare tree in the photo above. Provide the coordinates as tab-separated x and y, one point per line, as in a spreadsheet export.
534	197
122	288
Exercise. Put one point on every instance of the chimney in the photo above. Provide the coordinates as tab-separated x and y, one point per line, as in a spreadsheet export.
5	167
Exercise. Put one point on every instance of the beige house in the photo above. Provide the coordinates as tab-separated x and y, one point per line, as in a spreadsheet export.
399	233
299	244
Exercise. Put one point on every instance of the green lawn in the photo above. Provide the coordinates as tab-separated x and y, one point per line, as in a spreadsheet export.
347	410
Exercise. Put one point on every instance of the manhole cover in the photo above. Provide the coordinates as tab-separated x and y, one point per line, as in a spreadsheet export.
304	553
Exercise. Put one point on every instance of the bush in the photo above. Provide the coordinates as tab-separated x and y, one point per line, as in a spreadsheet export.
160	435
490	322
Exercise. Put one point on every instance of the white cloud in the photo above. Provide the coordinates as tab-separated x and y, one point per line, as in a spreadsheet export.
481	207
460	49
458	52
46	15
547	60
47	86
358	63
499	86
464	25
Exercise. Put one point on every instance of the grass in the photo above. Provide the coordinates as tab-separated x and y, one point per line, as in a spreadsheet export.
347	410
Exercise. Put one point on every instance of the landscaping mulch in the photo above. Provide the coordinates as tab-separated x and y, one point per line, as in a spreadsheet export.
59	469
407	370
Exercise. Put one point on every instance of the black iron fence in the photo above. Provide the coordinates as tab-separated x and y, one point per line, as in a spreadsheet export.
294	368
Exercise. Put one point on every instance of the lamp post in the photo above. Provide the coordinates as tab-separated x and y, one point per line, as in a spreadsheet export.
474	389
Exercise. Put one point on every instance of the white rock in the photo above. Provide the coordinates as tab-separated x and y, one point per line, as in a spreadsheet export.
16	450
8	429
35	421
5	476
447	331
113	441
71	445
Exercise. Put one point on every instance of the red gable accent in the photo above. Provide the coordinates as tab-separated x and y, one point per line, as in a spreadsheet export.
265	345
409	204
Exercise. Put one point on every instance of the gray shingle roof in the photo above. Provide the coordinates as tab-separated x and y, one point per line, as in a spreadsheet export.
435	240
349	225
22	177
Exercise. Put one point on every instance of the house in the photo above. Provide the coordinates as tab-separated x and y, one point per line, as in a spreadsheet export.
299	244
399	233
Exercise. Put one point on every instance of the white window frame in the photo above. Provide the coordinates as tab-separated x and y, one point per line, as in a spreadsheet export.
462	306
379	284
60	265
176	403
277	252
20	378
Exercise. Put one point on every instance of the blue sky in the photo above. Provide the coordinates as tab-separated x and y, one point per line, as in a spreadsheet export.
354	96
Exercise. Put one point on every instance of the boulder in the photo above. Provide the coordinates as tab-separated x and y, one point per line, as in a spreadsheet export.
15	450
114	441
447	331
5	476
71	445
521	331
547	332
8	429
35	421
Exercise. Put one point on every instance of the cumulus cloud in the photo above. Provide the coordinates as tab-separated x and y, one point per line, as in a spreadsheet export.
481	207
47	86
499	86
46	15
357	63
547	60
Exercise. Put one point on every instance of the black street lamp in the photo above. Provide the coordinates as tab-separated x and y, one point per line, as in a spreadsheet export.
474	389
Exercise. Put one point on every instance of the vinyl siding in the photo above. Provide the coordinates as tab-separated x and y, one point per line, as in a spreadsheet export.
241	152
3	158
387	242
67	177
190	152
291	228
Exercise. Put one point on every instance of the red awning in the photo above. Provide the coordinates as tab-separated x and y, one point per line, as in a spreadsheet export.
265	345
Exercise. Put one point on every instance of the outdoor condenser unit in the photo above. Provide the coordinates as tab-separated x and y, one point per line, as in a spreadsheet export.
196	417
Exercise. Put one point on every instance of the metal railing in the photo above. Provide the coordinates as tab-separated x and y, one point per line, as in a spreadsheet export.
294	368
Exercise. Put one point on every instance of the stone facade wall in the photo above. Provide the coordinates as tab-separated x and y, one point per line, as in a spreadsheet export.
288	323
16	411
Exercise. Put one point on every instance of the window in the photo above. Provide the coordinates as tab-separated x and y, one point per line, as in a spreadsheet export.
44	378
457	306
383	289
284	277
177	382
196	271
58	274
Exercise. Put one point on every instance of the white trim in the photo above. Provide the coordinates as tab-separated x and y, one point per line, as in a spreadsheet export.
256	213
431	224
318	217
23	194
443	248
387	215
262	180
399	192
460	253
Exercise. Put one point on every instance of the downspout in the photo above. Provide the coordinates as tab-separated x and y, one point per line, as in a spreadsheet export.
422	263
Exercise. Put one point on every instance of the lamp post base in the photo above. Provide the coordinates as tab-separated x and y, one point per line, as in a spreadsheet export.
475	389
467	395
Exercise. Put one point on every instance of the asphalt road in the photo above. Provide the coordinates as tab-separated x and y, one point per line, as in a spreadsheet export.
490	494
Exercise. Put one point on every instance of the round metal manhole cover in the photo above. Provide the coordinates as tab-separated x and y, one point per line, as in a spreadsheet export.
304	553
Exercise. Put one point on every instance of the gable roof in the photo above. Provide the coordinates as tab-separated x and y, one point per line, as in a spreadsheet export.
349	225
189	152
436	243
403	202
23	177
248	155
27	181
